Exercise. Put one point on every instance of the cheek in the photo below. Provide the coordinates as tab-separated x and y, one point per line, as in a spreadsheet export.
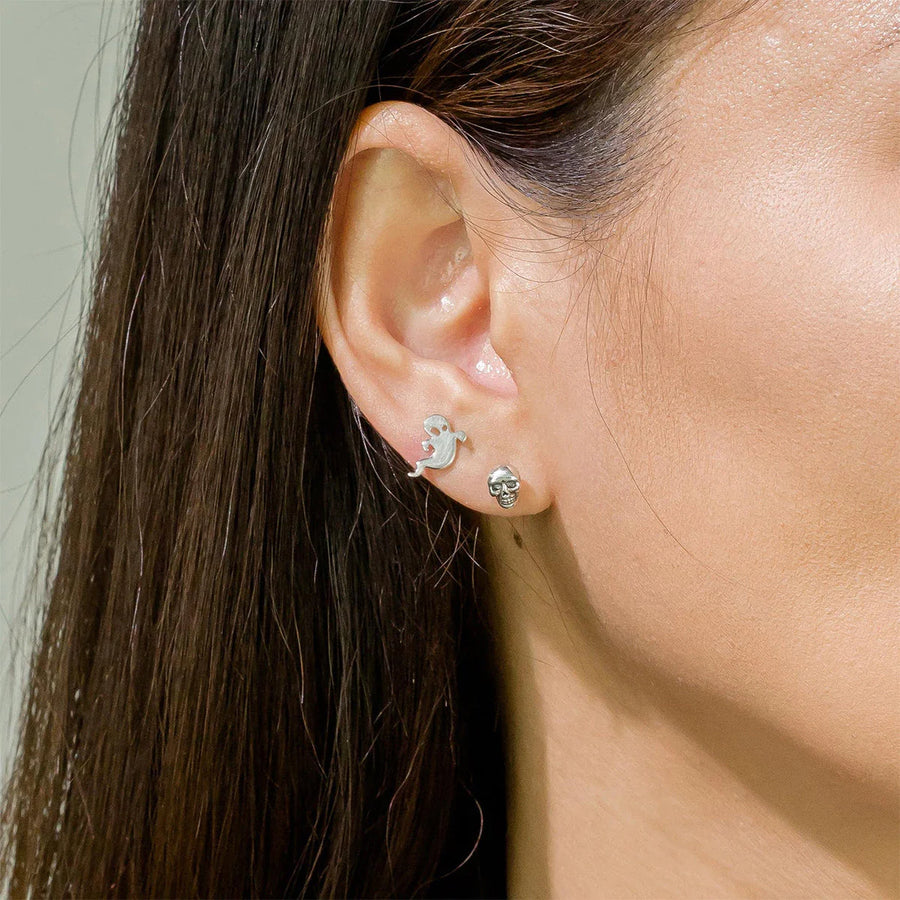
782	354
733	417
726	468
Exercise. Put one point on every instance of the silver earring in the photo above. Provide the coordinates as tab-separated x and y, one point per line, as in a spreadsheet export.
442	440
503	484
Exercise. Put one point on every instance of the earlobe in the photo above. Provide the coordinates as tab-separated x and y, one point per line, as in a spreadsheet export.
406	306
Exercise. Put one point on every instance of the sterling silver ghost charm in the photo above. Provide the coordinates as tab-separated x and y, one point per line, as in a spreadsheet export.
442	440
503	484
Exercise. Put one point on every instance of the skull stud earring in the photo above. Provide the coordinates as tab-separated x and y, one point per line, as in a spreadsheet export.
503	484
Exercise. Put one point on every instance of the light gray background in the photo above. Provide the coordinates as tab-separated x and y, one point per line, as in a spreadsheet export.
61	63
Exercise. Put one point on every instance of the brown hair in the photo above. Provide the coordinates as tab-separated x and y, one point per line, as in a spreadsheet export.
263	666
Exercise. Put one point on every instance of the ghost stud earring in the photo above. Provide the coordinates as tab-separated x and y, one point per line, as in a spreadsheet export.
503	484
442	440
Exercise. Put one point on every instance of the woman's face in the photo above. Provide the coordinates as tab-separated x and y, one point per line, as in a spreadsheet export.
727	467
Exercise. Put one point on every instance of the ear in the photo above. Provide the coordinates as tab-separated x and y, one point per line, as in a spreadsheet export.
408	309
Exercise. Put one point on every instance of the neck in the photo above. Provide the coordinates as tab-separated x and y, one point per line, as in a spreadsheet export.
622	783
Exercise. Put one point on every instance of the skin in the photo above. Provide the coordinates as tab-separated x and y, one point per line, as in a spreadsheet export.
697	592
